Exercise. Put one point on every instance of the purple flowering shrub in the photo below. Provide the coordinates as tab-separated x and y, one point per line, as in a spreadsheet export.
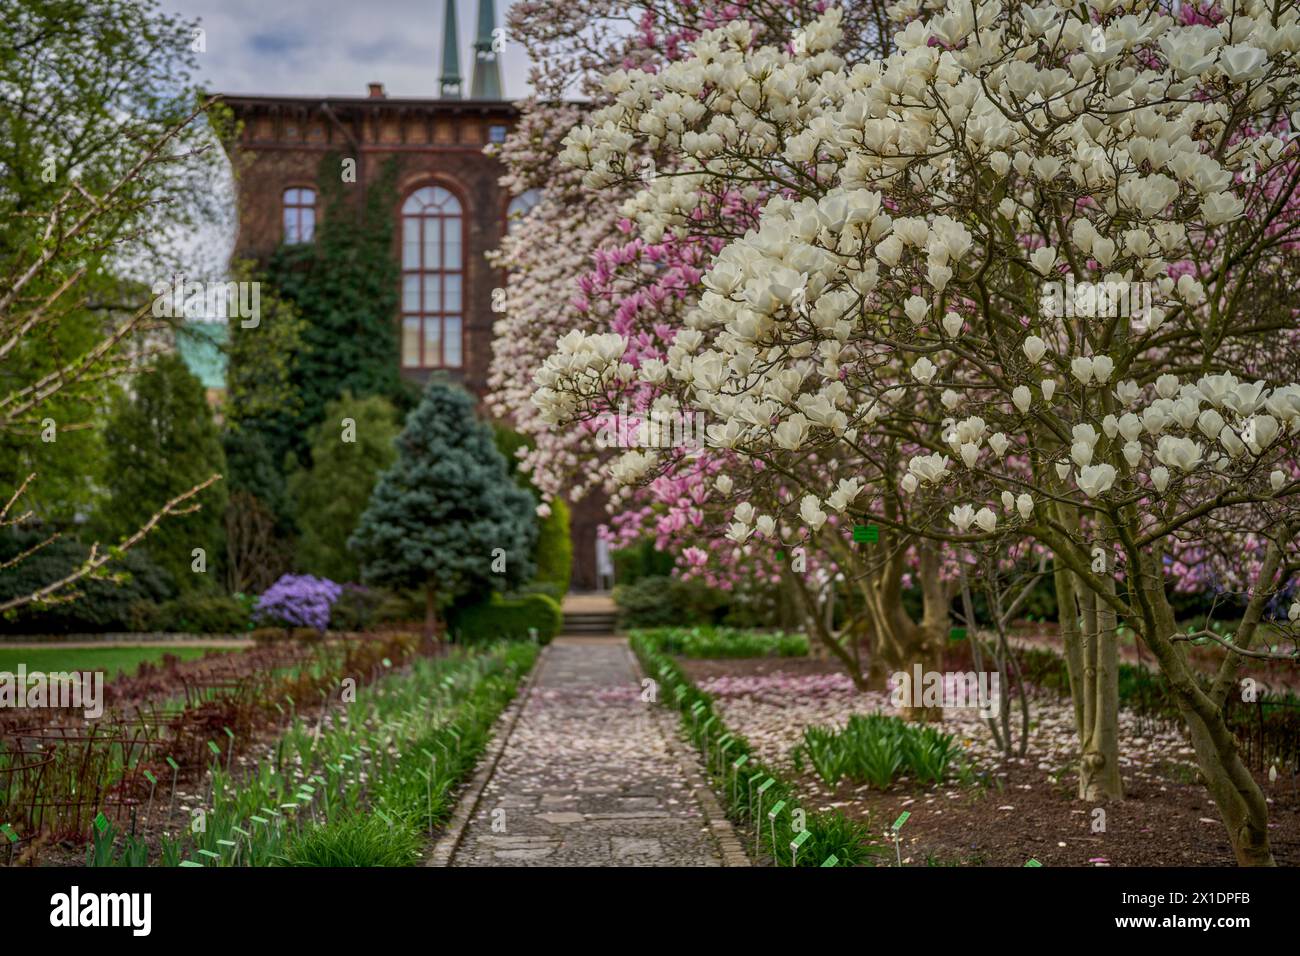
298	600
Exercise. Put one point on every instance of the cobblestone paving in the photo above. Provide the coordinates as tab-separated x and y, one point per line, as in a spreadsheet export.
587	777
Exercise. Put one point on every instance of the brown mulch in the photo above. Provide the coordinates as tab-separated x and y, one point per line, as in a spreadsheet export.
1015	811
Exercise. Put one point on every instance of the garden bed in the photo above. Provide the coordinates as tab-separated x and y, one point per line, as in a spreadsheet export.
365	782
1012	809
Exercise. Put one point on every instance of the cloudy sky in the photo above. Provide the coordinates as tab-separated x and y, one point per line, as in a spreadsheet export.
336	47
324	48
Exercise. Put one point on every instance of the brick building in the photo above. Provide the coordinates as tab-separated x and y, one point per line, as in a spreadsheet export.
451	208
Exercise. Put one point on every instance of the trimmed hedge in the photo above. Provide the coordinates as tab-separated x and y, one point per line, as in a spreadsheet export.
120	598
554	554
199	613
719	642
830	833
662	601
500	617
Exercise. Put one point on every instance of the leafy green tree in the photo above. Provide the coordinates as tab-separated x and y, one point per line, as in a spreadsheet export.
447	516
554	554
344	285
161	441
87	87
349	449
263	407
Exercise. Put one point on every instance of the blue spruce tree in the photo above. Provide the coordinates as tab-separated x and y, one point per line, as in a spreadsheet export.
446	516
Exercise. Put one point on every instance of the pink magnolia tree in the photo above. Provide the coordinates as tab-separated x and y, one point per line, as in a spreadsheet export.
639	285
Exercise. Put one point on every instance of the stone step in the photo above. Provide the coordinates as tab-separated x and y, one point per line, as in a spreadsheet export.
590	622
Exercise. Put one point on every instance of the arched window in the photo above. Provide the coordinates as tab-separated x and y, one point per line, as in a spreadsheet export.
432	279
521	206
299	215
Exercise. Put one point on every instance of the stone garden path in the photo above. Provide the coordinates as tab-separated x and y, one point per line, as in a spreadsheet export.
590	775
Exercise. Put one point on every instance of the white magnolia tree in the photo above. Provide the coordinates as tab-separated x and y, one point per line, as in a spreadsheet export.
1044	251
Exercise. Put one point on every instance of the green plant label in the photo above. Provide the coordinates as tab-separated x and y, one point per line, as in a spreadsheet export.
383	816
740	761
800	839
902	818
766	785
9	833
776	810
227	842
831	860
210	854
261	820
214	748
957	634
1033	862
229	733
190	863
173	764
151	778
866	533
101	822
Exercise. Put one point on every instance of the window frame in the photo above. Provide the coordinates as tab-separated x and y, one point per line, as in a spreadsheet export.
423	270
297	208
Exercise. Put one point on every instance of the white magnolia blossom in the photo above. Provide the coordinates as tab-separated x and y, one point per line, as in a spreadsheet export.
1181	453
1096	480
924	371
1021	398
811	512
952	323
1034	349
931	469
844	494
962	516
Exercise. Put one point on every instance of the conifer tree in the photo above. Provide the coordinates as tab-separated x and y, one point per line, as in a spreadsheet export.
349	449
162	440
447	516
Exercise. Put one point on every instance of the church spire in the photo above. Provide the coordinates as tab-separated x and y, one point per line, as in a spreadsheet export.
486	84
449	83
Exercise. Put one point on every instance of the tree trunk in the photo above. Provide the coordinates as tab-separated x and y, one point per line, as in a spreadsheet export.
430	614
1238	797
1099	777
1091	655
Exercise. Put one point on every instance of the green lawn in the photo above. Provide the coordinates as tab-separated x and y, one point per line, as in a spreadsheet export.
110	660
